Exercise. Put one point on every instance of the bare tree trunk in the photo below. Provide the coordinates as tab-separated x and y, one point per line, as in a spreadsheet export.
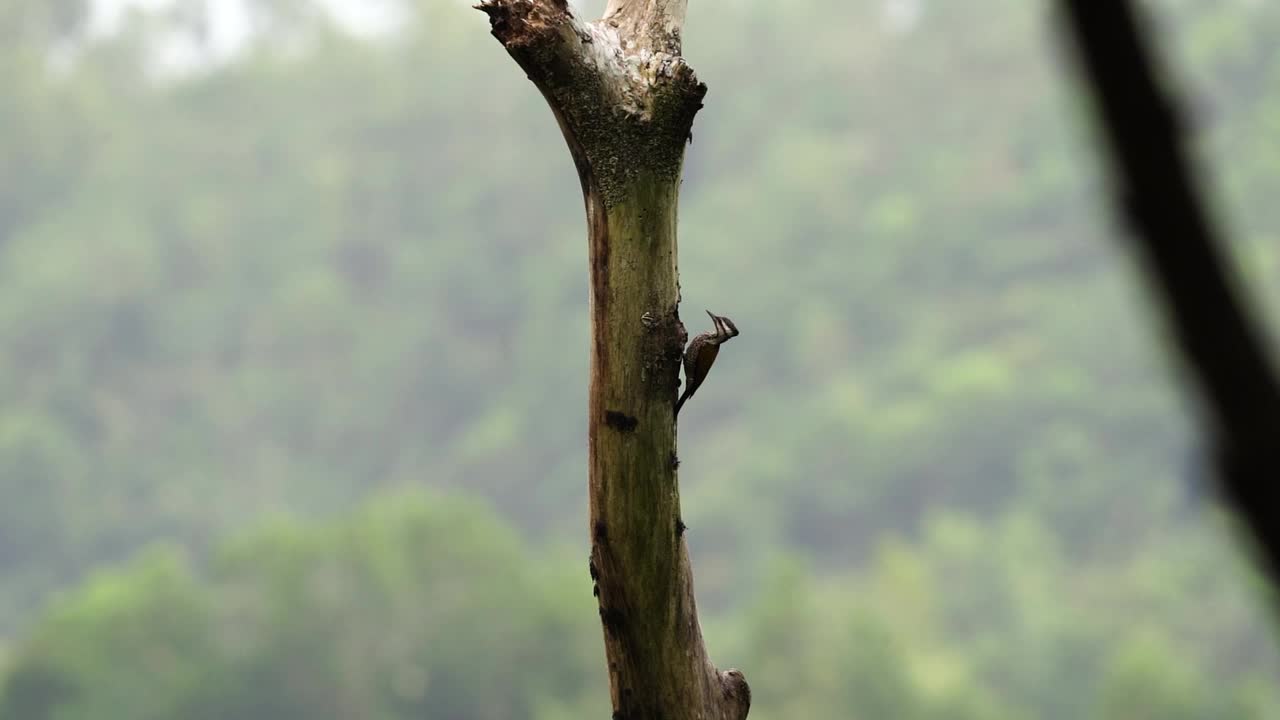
625	101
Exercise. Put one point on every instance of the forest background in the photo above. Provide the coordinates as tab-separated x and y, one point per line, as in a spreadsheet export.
293	334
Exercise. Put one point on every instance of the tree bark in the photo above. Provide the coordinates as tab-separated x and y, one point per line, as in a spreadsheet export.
1181	249
625	102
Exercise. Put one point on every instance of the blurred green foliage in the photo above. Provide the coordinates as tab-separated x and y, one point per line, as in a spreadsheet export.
429	606
943	473
345	620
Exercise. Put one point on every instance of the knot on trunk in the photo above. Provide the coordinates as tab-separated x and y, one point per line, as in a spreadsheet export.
737	693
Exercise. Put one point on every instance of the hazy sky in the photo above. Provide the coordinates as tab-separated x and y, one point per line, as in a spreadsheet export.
230	24
230	21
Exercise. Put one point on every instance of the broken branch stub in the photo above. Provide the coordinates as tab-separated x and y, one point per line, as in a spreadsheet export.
624	97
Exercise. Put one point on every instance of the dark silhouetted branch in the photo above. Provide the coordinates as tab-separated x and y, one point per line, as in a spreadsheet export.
1184	259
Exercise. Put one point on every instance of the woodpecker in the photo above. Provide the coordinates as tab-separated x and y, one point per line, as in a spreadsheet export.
701	354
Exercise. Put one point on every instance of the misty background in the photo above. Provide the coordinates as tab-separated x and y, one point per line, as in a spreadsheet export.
293	361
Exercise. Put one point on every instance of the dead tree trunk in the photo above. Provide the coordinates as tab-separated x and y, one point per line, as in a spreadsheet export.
625	101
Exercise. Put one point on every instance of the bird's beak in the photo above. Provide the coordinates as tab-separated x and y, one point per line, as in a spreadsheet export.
715	320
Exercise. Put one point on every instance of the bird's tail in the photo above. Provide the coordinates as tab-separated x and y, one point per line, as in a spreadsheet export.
684	396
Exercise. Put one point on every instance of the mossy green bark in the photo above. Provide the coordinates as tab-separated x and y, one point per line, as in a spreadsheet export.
637	549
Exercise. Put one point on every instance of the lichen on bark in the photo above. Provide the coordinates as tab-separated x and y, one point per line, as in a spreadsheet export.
628	110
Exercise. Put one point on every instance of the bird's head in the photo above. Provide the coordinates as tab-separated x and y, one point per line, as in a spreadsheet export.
725	329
